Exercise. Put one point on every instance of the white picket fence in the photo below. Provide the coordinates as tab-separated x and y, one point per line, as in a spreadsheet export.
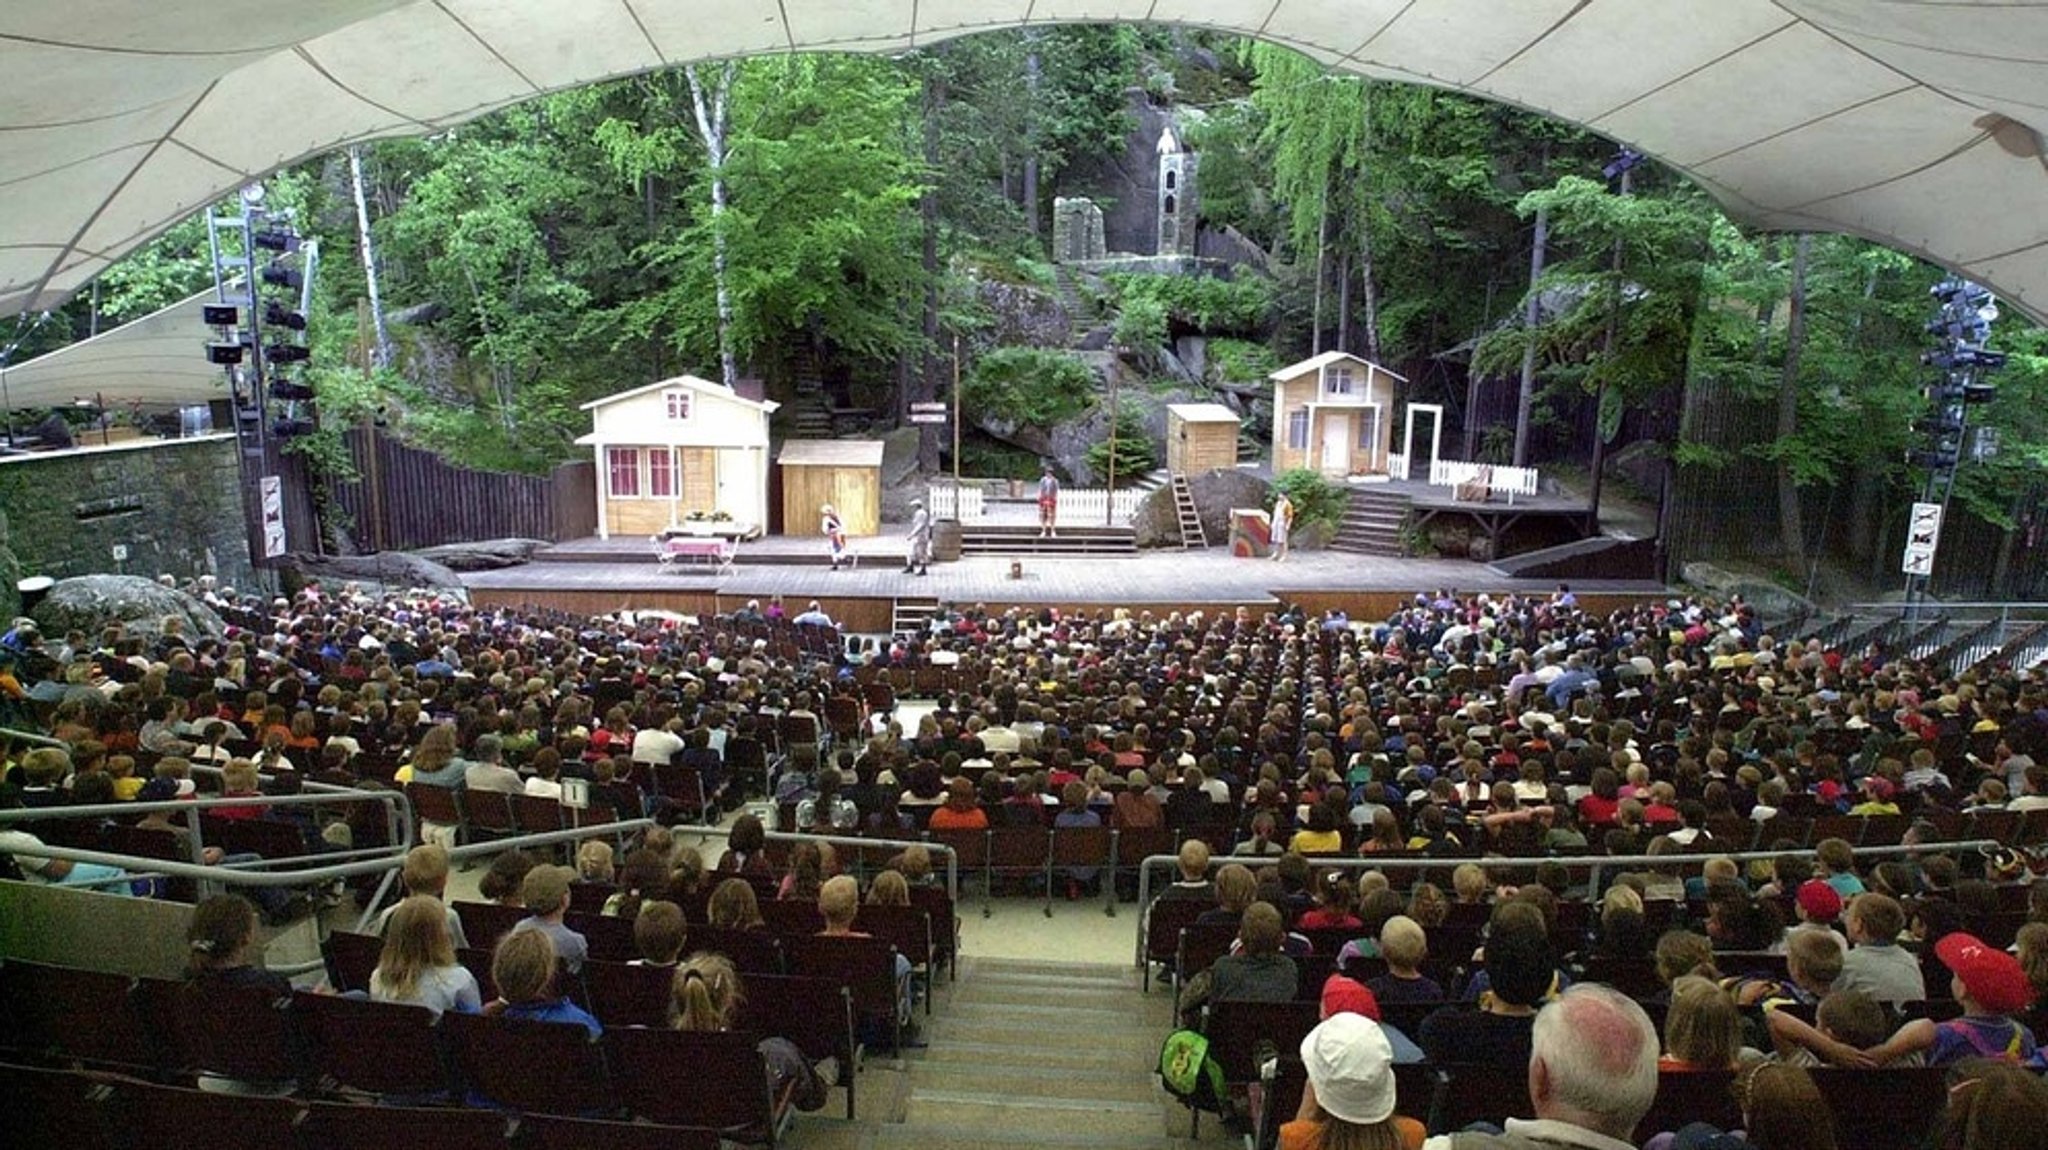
950	502
1078	506
1397	466
1512	480
1086	506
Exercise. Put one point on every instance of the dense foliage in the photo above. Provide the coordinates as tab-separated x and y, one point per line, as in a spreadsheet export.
821	221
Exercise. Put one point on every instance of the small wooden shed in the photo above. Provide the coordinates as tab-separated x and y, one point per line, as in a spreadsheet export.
1200	437
847	473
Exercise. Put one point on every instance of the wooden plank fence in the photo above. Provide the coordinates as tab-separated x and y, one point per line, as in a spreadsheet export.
406	498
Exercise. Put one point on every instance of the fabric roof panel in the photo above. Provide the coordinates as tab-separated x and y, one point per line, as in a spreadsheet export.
171	175
219	127
218	26
46	84
1451	41
1792	78
445	68
1587	68
594	39
1862	146
713	28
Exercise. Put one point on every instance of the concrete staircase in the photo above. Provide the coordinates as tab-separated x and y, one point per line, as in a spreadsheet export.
1035	1055
1372	524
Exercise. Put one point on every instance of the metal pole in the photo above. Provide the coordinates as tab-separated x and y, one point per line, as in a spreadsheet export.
1116	375
958	416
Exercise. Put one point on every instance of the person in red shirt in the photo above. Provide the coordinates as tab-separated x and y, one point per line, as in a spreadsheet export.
239	780
959	812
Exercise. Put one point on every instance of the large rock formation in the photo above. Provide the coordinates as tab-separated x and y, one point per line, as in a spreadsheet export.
1770	600
386	570
89	602
486	555
10	573
1157	521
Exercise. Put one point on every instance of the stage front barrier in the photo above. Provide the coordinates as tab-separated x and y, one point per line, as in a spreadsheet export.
1457	473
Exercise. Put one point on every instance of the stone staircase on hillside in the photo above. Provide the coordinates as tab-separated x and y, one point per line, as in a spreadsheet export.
1083	313
1372	523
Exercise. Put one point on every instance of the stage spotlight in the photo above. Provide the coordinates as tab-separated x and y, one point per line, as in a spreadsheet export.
286	353
224	354
290	391
291	428
278	275
220	314
277	315
275	240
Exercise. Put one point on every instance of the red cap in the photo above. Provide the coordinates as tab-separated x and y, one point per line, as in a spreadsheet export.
1992	976
1346	995
1819	900
1879	787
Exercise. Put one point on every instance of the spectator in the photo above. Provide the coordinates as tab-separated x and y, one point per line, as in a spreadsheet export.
221	945
708	994
418	964
734	906
1876	962
503	883
1349	1098
1404	944
1991	987
523	968
425	874
1592	1077
1521	971
1702	1029
1996	1106
659	933
545	892
1257	972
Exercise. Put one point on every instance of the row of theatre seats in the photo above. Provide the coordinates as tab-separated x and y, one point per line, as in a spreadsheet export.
147	1040
94	1110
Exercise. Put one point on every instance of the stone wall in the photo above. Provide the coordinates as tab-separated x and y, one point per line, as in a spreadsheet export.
171	505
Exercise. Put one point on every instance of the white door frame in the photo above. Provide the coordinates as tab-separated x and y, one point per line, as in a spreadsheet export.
1435	411
1372	414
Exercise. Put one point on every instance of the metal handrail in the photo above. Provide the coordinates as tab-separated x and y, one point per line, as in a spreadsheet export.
952	856
1596	863
22	736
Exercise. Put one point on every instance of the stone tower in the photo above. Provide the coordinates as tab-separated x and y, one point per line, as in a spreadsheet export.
1178	203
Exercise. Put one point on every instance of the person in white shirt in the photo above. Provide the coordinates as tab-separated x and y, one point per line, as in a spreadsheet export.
659	745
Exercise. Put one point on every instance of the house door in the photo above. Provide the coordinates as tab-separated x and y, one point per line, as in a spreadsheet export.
1336	443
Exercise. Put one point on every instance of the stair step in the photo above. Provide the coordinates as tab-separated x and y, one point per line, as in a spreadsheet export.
1030	1078
892	1137
1088	1120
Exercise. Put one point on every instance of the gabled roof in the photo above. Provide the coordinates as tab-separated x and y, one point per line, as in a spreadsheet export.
692	383
1319	362
1203	412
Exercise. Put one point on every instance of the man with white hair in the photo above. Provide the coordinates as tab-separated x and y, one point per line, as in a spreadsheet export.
1592	1077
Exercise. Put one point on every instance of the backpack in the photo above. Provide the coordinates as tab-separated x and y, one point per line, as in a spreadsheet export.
1190	1075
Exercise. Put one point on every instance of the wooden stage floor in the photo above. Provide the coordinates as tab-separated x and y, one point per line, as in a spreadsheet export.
624	572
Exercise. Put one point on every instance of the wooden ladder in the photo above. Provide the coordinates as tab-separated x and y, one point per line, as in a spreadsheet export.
1191	533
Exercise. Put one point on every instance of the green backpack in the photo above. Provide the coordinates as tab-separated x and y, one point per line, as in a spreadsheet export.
1190	1074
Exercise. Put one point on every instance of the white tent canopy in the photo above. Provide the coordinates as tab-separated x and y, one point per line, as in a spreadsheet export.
156	361
1913	122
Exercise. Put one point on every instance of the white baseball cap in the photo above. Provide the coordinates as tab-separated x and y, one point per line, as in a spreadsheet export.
1351	1065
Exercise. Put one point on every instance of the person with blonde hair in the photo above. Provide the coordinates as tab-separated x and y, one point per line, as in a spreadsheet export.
417	964
708	995
594	862
889	889
425	874
1702	1028
1404	944
523	967
734	906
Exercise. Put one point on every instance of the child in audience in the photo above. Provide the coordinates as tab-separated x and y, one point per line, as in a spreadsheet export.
594	862
1876	962
1846	1022
889	889
524	969
734	906
1335	898
545	893
1403	944
501	884
1702	1028
418	963
1837	861
1812	964
221	943
425	874
708	994
1991	988
1349	1100
659	932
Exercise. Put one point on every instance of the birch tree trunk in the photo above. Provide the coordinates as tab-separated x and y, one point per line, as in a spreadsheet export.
380	355
1525	403
714	127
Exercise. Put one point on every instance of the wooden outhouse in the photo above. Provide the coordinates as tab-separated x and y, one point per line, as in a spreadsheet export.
1333	413
1200	437
676	448
847	473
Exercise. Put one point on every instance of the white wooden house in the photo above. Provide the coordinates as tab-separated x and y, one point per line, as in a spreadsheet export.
1333	413
679	446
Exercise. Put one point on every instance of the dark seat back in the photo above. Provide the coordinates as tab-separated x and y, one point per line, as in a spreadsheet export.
351	959
243	1033
342	1126
714	1079
1885	1109
484	923
623	995
1235	1030
383	1048
548	1067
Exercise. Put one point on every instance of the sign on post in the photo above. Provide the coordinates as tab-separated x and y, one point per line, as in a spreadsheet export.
273	516
1923	532
928	413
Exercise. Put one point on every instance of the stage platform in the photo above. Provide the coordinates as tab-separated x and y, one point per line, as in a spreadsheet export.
598	576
